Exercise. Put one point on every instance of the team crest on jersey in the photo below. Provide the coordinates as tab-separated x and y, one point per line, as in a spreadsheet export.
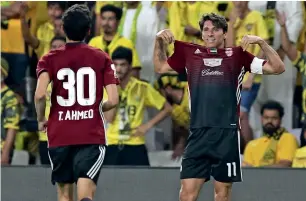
212	62
228	52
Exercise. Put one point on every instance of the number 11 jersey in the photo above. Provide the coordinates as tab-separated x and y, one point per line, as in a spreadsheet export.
78	74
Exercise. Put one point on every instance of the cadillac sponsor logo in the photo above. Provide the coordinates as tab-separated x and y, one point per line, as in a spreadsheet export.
212	62
228	52
208	72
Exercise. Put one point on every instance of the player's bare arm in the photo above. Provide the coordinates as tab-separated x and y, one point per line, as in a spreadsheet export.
287	46
110	115
113	98
40	98
274	64
163	39
143	129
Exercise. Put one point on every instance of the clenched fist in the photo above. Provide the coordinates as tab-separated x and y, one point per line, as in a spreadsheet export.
166	36
249	39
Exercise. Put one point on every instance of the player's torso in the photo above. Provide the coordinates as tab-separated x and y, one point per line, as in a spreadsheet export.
76	97
214	77
130	114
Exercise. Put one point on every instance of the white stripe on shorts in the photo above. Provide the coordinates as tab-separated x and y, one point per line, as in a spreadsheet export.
238	132
96	167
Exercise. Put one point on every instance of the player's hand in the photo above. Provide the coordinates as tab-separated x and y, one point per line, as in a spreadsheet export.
42	125
281	18
166	36
141	130
249	39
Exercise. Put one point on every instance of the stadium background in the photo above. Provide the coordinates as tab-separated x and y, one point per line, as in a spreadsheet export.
260	184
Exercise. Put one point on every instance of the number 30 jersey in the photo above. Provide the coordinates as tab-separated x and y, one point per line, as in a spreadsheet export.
78	73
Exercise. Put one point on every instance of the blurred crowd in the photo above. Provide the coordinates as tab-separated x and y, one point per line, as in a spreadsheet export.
271	107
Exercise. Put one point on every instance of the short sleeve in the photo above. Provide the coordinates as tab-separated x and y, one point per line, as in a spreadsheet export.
177	60
287	147
43	66
153	98
110	75
12	114
251	63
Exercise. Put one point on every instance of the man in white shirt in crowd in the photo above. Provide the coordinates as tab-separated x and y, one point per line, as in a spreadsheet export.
280	88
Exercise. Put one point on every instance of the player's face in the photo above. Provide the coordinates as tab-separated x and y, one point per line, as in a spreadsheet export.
213	36
271	121
109	22
58	27
123	68
57	43
54	11
241	6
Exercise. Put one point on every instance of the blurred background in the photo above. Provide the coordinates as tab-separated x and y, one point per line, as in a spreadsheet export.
272	107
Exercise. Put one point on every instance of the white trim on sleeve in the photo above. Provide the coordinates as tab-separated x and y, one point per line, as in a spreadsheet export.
256	66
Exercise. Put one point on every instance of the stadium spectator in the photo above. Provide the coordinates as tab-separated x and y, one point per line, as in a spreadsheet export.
10	116
299	61
276	148
281	87
299	160
41	41
139	23
126	130
12	43
111	38
98	6
56	42
176	92
244	21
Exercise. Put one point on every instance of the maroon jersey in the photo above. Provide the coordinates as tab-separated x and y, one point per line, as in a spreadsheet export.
78	74
215	79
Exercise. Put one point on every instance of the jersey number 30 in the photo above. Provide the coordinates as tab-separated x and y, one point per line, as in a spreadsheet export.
76	93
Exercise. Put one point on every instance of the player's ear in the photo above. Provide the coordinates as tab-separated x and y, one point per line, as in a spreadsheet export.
225	35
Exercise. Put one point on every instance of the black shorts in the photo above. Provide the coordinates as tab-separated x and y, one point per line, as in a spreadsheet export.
212	152
69	163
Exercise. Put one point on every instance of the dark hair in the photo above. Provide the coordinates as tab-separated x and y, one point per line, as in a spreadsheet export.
111	8
62	38
123	53
77	22
62	4
218	21
273	105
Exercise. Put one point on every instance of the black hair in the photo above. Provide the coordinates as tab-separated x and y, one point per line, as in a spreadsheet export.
77	22
273	105
62	38
218	21
123	53
111	8
62	4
